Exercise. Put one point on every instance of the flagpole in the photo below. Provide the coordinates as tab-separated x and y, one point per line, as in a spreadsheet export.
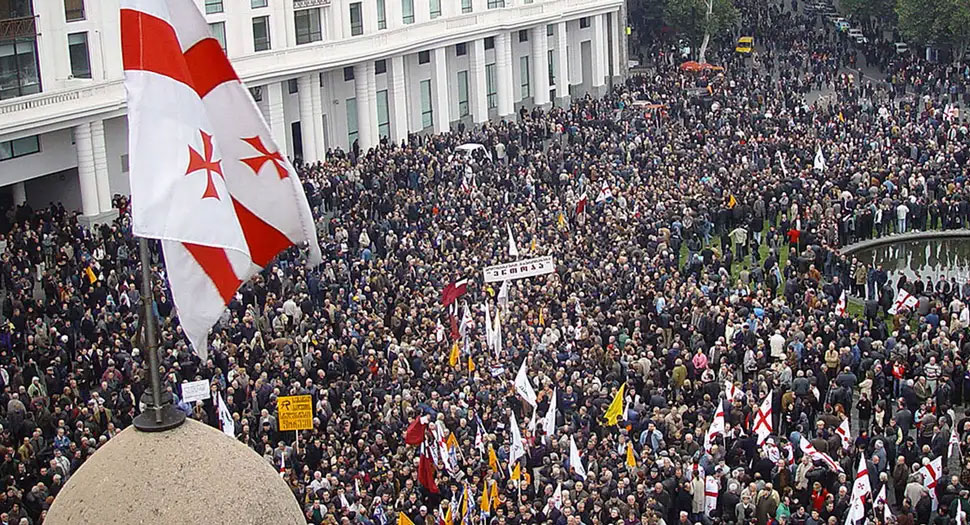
159	414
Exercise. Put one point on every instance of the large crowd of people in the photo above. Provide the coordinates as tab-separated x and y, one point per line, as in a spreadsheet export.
698	266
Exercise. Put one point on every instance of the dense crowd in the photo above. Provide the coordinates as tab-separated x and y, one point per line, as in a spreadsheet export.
698	265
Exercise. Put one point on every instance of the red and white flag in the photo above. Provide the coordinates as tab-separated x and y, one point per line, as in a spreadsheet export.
844	432
903	300
605	193
861	490
731	392
762	423
884	503
206	177
717	427
931	476
453	291
711	489
810	450
841	305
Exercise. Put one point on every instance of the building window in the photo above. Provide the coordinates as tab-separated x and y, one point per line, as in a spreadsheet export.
552	69
18	68
257	93
307	23
550	29
293	86
424	57
461	49
348	73
407	10
381	15
493	4
218	30
435	8
524	75
490	86
351	121
77	48
256	4
523	35
380	67
213	6
584	22
356	19
124	163
427	111
12	149
490	43
73	10
466	6
383	115
261	40
462	94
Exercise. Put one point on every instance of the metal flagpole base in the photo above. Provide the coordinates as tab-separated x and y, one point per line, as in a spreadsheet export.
159	419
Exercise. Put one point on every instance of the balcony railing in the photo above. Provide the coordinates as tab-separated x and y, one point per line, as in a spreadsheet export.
17	27
112	90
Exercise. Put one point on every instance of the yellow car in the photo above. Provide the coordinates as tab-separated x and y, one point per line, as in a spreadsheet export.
745	44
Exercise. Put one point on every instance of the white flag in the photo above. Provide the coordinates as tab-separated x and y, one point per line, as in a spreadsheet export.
711	488
575	462
954	441
225	417
497	333
489	335
840	307
549	422
555	502
503	295
207	179
605	193
965	316
819	159
523	387
861	489
881	500
844	432
517	449
513	249
961	514
903	300
762	423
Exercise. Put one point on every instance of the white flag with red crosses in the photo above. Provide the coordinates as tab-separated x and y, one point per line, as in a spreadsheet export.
206	177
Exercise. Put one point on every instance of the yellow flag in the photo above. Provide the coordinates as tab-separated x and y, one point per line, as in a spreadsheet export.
542	320
484	504
517	473
533	244
493	459
453	359
732	202
471	365
494	496
90	273
615	410
562	221
448	520
841	118
631	460
403	519
464	502
452	441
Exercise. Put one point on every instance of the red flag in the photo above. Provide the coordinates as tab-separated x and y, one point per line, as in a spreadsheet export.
207	179
581	205
415	432
455	334
454	291
426	474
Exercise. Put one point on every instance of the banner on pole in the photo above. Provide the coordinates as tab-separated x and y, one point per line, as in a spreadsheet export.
195	390
519	269
295	413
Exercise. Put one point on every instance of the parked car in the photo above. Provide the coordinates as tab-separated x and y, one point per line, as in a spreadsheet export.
841	24
901	48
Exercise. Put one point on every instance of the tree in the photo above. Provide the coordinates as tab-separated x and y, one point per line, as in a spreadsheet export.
941	23
863	9
698	20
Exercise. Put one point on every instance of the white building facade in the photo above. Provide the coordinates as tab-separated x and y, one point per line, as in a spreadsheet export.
325	73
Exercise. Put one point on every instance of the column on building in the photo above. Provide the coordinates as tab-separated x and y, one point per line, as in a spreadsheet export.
441	108
616	39
422	10
85	170
398	101
503	74
540	65
316	103
562	65
101	166
277	121
307	132
478	90
19	190
365	92
599	53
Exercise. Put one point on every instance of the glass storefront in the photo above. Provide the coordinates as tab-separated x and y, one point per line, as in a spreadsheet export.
19	71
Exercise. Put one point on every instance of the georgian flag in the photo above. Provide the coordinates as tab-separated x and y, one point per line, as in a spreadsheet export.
717	427
206	177
844	432
711	488
903	300
931	473
840	307
810	450
225	418
861	489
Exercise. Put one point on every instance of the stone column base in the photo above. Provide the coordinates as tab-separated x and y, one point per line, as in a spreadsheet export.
106	217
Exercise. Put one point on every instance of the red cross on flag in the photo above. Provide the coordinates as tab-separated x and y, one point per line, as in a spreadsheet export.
845	433
206	177
931	472
762	423
861	489
717	427
840	307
